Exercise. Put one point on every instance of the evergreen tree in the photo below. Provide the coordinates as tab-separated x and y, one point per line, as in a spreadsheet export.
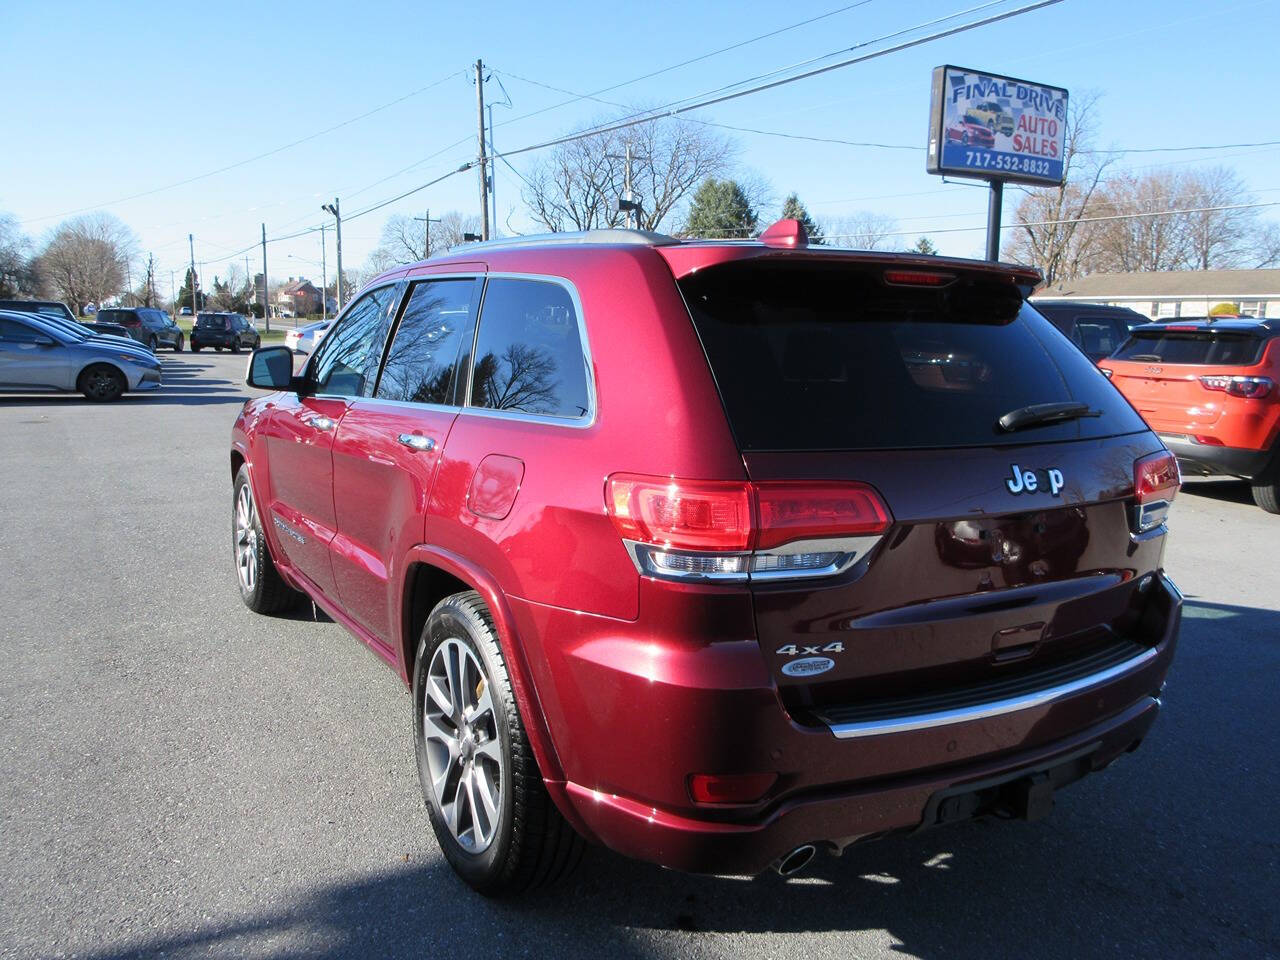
793	209
721	209
184	294
925	245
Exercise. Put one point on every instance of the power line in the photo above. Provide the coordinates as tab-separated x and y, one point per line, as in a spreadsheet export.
247	160
671	109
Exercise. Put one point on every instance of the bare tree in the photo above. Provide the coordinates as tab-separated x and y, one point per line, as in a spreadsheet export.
86	259
1218	238
405	239
1143	235
864	230
1049	234
16	274
578	184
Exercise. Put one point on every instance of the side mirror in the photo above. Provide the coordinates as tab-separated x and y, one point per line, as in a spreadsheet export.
270	368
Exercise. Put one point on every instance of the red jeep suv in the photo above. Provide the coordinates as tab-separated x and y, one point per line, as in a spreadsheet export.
1211	390
716	553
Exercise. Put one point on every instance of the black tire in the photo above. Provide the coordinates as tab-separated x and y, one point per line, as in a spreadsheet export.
532	844
219	349
235	345
257	342
268	593
101	383
153	343
195	348
1267	495
965	139
177	344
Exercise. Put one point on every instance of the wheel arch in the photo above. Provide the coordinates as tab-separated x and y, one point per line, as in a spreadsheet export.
431	574
100	362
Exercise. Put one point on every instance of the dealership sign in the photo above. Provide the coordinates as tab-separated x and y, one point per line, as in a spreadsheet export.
996	128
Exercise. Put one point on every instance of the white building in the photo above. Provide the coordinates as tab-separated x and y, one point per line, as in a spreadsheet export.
1177	293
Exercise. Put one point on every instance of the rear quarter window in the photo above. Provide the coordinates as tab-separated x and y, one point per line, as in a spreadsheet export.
828	357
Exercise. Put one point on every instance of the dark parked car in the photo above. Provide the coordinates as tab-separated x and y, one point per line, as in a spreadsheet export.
114	329
716	554
231	331
1096	329
147	325
48	308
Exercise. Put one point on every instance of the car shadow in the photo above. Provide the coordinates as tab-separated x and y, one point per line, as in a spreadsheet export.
1164	854
1225	491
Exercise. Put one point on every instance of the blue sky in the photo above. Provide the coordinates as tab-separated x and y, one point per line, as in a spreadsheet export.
108	101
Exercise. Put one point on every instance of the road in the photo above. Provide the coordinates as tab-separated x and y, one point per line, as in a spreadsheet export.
184	778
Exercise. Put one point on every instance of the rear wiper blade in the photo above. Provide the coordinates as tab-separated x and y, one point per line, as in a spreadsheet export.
1038	414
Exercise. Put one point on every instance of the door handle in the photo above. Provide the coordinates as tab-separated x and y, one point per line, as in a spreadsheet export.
416	441
320	423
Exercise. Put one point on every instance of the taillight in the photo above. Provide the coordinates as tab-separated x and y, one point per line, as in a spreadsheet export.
730	788
1156	479
918	278
712	530
1253	388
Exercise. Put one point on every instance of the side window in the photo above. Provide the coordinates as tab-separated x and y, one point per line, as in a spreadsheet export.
348	358
528	355
422	363
14	332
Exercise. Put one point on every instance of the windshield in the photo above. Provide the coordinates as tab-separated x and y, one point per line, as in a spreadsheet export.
829	357
1197	347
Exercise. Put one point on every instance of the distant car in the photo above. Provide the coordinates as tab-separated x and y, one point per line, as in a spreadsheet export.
1095	328
45	308
40	356
1211	389
992	116
184	312
231	331
971	134
305	338
147	325
114	329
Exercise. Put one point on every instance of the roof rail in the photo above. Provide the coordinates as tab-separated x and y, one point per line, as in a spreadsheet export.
646	238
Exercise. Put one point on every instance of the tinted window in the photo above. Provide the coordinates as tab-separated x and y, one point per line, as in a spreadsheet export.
422	363
1098	336
1196	347
347	361
15	332
528	354
828	357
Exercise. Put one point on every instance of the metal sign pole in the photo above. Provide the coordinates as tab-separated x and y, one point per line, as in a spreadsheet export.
994	204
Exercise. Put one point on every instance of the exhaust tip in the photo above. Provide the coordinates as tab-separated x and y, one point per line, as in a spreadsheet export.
792	863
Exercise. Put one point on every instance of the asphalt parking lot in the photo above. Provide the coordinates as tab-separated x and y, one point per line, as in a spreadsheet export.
184	778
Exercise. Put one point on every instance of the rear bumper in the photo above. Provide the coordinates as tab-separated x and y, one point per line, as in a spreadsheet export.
831	790
1208	460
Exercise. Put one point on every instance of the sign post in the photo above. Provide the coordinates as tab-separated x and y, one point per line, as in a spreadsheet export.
998	129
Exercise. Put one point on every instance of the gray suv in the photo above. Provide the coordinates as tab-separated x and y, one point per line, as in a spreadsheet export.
147	325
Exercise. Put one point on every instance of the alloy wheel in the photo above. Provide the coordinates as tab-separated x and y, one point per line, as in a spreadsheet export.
101	384
246	544
464	754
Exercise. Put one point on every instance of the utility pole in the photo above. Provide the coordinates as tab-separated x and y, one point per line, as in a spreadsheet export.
994	203
483	164
426	232
324	279
493	178
192	240
128	281
336	210
173	297
266	304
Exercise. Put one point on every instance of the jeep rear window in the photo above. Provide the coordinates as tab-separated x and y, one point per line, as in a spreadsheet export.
1198	347
829	357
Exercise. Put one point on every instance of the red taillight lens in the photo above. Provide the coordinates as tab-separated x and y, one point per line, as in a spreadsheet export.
918	278
714	530
681	514
1208	441
730	788
1252	388
791	512
1156	477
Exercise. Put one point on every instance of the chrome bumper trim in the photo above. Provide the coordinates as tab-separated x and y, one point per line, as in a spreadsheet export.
994	708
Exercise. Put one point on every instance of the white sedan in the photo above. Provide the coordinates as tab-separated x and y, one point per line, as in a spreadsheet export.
304	339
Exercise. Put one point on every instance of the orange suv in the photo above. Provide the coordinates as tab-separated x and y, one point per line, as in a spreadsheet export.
1209	389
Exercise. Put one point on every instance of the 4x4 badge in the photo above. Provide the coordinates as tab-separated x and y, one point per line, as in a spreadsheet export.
1028	481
